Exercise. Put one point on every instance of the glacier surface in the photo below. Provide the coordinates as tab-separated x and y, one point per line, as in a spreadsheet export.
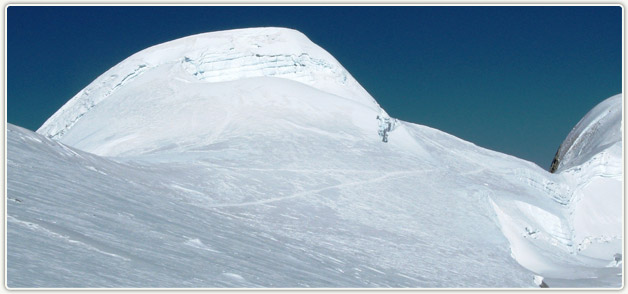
251	158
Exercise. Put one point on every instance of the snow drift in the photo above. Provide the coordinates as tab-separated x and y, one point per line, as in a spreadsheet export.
251	158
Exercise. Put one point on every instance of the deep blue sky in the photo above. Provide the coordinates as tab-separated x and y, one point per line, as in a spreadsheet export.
511	79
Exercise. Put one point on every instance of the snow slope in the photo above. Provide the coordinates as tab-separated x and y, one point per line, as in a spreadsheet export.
210	166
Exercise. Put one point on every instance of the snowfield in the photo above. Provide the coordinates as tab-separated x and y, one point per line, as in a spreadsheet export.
251	158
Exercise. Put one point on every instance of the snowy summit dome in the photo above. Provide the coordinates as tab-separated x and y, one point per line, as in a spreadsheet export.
193	89
213	58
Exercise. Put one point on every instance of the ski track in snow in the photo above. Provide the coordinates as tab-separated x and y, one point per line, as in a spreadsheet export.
390	175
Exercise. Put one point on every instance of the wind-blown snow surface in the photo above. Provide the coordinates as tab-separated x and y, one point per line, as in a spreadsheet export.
197	163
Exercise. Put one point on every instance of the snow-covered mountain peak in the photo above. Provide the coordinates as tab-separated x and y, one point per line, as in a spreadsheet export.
597	131
214	58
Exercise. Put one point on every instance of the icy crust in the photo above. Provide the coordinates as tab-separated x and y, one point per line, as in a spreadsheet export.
301	67
599	129
219	57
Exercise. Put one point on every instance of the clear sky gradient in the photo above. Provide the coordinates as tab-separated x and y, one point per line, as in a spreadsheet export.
511	79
